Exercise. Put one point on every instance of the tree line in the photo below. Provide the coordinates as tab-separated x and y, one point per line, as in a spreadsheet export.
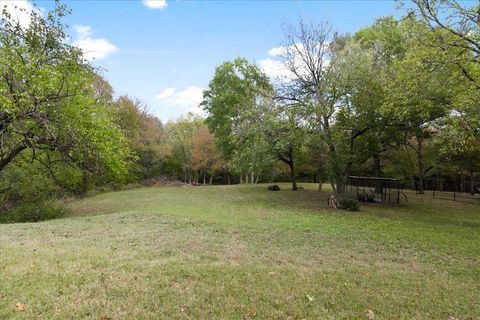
398	98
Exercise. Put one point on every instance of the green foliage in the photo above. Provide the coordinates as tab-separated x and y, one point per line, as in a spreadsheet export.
55	115
181	135
398	98
23	181
32	212
350	204
146	137
232	99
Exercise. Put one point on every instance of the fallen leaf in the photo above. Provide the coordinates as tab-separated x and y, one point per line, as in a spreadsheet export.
309	297
369	313
20	306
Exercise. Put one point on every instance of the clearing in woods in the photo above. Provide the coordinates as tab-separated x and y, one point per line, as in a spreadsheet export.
242	252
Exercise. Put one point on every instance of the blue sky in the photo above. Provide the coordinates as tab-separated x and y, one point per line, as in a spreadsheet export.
165	56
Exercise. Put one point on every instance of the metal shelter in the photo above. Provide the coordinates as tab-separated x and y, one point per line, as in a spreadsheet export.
375	189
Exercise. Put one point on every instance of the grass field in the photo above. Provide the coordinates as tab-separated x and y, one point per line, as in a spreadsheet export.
242	252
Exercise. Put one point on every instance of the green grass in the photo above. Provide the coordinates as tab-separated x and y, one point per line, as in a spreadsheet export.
242	252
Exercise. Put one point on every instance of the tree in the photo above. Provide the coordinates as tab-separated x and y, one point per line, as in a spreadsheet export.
308	55
145	133
285	134
206	158
366	60
49	107
181	134
456	26
419	91
234	99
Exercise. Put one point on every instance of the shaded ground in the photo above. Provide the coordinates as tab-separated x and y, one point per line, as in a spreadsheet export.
242	252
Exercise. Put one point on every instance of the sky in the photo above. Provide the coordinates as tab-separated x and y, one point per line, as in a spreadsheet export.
164	53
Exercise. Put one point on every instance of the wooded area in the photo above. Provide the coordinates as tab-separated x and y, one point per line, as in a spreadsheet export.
345	187
397	99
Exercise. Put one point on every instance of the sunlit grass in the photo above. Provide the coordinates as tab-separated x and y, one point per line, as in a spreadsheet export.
242	252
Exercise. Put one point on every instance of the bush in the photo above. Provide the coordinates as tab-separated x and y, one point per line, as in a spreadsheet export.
274	188
32	212
350	204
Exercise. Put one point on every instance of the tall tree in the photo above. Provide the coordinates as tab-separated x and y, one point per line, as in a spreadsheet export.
419	90
234	99
48	100
313	83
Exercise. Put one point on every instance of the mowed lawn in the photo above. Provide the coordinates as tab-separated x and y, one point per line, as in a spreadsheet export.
242	252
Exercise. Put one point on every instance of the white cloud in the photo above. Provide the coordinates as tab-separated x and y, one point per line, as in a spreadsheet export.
191	96
188	99
82	31
274	68
19	11
92	48
196	110
275	65
277	51
155	4
165	93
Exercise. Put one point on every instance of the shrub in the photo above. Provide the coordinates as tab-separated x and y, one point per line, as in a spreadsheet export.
32	212
274	188
350	204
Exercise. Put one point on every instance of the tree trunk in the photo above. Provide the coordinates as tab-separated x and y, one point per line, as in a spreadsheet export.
241	178
319	177
421	166
13	153
204	181
334	188
228	177
336	183
256	180
211	179
252	180
294	176
246	178
340	188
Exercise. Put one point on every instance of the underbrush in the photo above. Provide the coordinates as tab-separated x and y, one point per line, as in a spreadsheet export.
350	204
32	212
